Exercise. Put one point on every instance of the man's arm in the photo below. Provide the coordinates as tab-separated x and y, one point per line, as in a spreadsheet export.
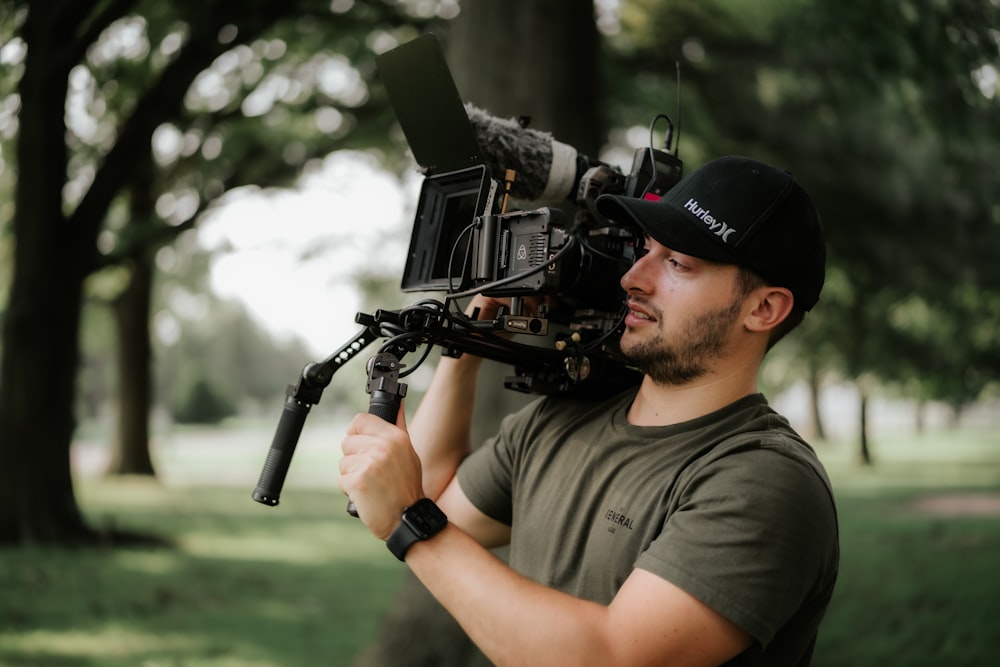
440	436
441	426
516	621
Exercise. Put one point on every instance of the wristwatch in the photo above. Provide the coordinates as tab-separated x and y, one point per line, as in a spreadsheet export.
420	521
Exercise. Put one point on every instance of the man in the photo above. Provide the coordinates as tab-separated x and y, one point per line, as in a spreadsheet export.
680	523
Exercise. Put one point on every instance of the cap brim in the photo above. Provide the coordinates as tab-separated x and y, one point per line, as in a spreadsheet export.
667	225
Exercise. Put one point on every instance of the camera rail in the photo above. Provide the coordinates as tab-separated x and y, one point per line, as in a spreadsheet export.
586	370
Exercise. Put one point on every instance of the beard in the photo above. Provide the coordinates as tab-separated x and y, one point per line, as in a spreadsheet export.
688	354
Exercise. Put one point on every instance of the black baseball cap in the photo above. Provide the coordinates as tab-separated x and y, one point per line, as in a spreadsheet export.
740	211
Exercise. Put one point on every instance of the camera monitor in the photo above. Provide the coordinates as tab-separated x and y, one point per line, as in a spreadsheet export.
458	186
428	106
438	258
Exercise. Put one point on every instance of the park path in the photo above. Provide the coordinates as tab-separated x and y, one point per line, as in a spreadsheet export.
958	504
223	456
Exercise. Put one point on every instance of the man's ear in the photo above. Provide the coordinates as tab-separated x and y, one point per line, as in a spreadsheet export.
771	306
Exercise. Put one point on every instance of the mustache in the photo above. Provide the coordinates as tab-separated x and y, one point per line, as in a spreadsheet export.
642	304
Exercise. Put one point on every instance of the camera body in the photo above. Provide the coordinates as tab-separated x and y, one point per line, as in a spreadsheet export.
523	247
465	239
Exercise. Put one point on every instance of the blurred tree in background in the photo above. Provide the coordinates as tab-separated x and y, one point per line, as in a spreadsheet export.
201	340
131	119
549	77
889	113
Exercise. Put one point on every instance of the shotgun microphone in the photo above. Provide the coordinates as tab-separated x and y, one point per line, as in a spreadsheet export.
547	170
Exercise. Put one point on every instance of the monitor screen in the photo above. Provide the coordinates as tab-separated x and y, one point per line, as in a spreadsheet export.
438	259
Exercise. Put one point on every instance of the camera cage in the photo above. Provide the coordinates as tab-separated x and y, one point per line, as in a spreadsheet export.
464	242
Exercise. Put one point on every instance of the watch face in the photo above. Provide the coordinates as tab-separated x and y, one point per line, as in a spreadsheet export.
425	518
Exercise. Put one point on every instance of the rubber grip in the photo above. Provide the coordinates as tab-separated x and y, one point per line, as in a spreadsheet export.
385	405
286	437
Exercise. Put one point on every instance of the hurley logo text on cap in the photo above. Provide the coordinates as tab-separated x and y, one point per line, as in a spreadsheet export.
717	227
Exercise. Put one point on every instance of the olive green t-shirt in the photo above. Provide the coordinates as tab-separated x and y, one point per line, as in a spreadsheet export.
733	507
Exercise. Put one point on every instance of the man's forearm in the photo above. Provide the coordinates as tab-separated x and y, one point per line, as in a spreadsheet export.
440	429
517	621
512	619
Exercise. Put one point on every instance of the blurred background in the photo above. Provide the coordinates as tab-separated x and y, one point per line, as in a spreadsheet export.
196	197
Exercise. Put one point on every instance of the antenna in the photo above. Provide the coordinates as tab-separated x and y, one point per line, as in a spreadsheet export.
677	144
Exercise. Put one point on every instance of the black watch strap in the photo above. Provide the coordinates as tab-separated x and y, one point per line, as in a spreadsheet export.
420	521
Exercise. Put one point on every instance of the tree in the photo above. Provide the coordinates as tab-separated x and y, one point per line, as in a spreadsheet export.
887	115
246	132
242	368
905	186
132	310
72	180
550	75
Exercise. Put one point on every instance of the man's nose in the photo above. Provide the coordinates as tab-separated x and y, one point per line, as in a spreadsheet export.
636	278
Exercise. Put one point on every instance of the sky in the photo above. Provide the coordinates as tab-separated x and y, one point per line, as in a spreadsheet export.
289	256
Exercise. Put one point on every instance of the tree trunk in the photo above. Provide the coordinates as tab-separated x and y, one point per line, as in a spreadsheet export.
864	455
539	59
920	417
814	400
41	325
37	502
514	58
957	408
132	311
130	447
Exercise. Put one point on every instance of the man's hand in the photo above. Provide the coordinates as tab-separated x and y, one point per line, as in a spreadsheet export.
380	471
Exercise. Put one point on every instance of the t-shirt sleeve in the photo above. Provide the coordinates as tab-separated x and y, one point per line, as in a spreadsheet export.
752	536
486	476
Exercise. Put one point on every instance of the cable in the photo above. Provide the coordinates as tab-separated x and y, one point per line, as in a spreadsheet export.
451	256
649	148
610	332
570	244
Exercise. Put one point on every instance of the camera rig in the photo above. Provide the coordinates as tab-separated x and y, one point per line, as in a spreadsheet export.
464	241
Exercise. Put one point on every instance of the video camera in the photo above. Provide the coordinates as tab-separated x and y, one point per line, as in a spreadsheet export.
465	240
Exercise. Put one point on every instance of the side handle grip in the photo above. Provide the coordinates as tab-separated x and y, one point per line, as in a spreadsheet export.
286	437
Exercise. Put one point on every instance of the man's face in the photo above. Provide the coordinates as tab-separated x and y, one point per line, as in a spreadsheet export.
683	312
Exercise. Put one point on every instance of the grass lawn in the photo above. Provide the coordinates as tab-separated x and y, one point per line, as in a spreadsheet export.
914	590
920	542
302	584
244	585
